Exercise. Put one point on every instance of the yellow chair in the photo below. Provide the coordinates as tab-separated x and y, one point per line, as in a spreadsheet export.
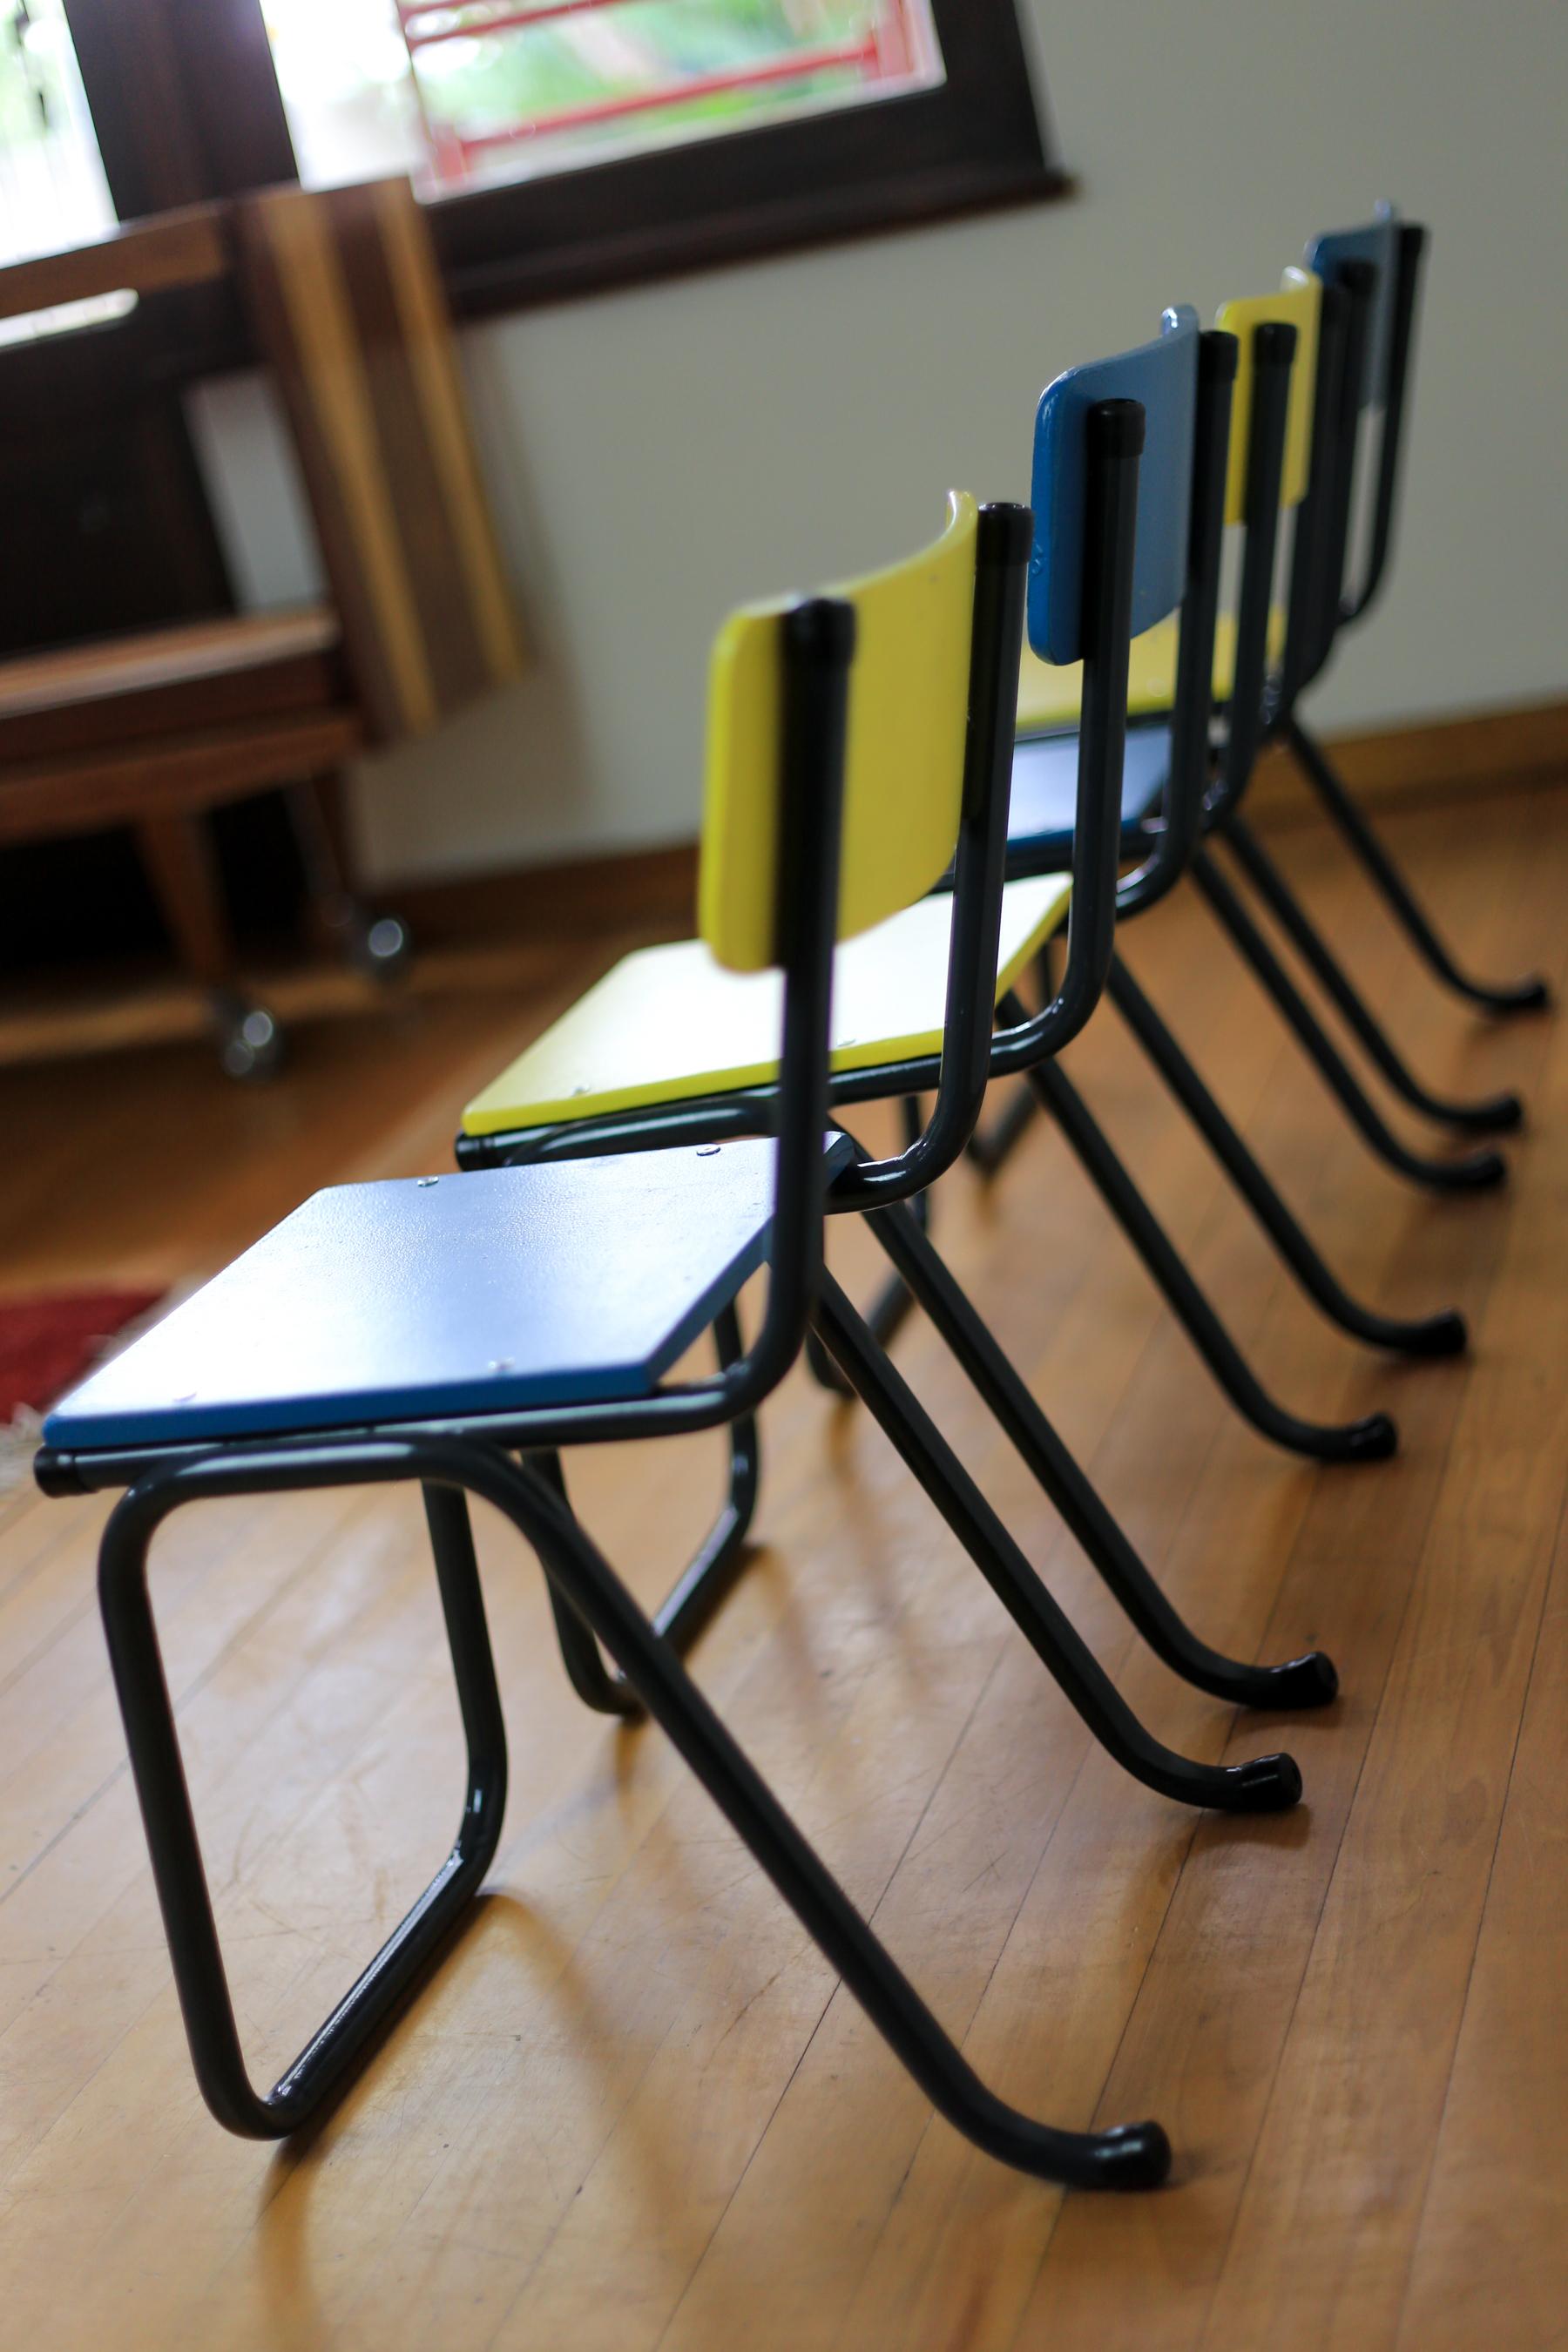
669	1025
700	1017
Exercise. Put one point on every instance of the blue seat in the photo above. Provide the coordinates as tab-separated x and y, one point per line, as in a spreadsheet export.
1044	804
431	1298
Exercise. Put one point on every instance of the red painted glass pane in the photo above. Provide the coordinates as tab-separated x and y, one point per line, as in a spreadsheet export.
464	90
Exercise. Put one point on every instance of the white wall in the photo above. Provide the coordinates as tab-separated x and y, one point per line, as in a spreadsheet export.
657	456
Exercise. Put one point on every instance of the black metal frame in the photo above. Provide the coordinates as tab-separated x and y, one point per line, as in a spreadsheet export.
153	1738
450	1468
1318	564
469	1454
1527	995
1465	1173
1318	609
707	1576
973	1053
1196	796
1530	994
1026	1045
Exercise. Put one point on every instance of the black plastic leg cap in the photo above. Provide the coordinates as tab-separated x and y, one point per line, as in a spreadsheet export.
1135	2156
1373	1438
1310	1681
1444	1333
1269	1784
1482	1172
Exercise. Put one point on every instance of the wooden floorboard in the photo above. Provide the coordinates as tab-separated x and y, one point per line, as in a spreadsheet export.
633	2110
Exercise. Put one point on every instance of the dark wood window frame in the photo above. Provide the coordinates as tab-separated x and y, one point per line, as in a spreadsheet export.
186	107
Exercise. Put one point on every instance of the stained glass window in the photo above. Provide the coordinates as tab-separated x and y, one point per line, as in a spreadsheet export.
461	92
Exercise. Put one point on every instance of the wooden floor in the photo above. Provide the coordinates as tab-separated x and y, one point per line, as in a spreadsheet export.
632	2109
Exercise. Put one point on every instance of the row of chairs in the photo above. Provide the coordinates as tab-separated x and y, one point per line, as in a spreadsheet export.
904	812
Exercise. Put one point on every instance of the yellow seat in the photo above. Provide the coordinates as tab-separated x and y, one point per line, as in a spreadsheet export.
1049	697
670	1023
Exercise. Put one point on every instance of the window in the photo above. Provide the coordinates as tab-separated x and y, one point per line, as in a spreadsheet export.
457	90
52	188
567	145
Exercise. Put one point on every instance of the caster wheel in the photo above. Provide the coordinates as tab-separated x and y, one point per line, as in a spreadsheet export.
250	1043
382	948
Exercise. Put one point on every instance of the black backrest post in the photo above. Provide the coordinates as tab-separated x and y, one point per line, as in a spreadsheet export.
1411	254
1192	709
1312	515
817	648
1115	436
1000	576
1358	280
1273	357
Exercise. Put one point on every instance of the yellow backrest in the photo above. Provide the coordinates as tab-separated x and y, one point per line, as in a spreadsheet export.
903	782
1296	305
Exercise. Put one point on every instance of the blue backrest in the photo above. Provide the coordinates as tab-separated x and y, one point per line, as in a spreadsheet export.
1163	375
1377	242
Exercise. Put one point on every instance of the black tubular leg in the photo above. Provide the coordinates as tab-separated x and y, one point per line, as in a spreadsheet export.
1307	1681
823	1371
1472	1171
1130	2155
1135	2156
1264	1784
892	1303
1494	1114
1442	1334
990	1147
1370	1439
338	2046
707	1580
1530	995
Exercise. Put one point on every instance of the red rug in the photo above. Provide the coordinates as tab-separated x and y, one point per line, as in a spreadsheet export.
47	1342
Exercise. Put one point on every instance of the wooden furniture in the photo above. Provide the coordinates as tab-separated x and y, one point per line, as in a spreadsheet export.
154	731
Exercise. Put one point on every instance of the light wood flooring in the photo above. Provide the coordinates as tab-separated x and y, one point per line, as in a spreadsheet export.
631	2109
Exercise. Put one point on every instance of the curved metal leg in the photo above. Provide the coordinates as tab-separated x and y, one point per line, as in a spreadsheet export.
1494	1114
1529	995
990	1147
1307	1681
1134	2156
705	1582
1473	1171
1370	1439
1131	2156
1265	1784
891	1304
337	2048
1442	1334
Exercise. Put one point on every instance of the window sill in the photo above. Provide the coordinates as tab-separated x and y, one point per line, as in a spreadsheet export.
561	267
